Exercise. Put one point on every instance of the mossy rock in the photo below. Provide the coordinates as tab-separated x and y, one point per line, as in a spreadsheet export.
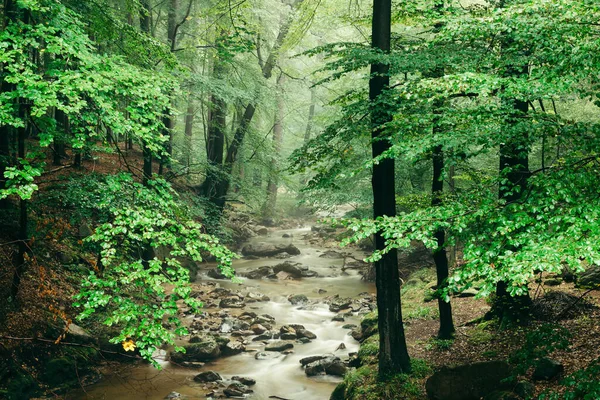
60	372
339	393
369	349
369	325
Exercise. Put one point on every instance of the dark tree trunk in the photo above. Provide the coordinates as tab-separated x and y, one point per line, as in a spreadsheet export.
439	255
145	26
5	130
21	261
514	163
393	352
215	143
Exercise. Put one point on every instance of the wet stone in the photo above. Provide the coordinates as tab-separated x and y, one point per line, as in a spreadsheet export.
244	380
279	346
207	376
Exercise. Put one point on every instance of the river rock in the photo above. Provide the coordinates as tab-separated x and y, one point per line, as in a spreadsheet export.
253	297
298	299
173	395
263	337
547	369
327	365
232	302
296	270
308	360
468	382
331	254
244	380
269	250
337	303
236	389
216	273
204	351
263	355
259	273
279	345
233	348
192	364
303	333
258	329
207	376
282	256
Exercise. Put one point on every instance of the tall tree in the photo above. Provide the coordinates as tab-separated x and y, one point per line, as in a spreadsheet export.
145	26
393	352
271	202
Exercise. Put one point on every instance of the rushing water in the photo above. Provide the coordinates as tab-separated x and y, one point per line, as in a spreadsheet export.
281	375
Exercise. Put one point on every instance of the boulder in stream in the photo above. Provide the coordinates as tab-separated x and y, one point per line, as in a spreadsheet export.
329	365
304	333
236	389
207	376
259	273
269	250
294	269
216	273
279	345
204	351
331	254
232	302
244	380
296	299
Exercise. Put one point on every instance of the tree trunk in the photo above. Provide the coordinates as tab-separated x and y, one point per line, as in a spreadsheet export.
393	352
21	261
514	162
439	255
269	207
5	130
189	129
145	26
311	115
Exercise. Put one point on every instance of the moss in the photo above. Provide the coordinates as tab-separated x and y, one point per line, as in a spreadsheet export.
368	325
482	334
367	354
362	384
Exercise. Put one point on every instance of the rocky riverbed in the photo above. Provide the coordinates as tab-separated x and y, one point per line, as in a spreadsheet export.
285	330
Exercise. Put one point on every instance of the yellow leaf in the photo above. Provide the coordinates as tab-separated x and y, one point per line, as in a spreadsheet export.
129	345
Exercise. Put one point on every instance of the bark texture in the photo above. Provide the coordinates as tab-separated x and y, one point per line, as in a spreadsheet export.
393	353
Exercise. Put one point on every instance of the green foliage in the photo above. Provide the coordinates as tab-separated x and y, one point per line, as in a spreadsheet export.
439	344
96	92
137	288
540	343
455	87
583	384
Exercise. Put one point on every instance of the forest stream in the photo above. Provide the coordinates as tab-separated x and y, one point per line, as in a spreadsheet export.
279	375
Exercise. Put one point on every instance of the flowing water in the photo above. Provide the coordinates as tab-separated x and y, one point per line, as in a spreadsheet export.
281	375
